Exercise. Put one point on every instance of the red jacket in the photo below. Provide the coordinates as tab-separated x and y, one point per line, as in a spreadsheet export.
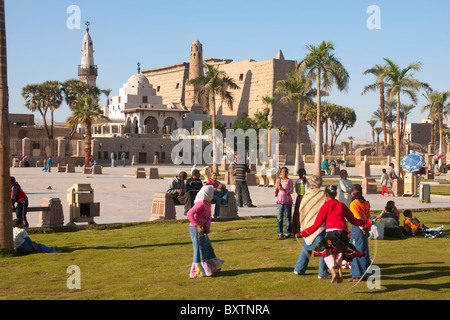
334	214
17	193
215	183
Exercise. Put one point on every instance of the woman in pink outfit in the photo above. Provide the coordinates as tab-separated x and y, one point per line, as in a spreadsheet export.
205	262
283	191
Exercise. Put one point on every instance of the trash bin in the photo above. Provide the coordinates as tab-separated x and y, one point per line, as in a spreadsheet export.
81	204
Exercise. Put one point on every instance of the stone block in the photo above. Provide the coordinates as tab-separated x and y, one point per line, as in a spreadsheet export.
365	169
163	207
140	173
153	173
231	210
369	186
53	217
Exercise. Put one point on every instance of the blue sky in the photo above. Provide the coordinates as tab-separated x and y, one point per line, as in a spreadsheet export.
158	33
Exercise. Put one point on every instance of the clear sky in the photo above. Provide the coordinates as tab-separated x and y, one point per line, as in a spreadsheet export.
158	33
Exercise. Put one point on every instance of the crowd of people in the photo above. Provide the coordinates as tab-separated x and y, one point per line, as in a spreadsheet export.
321	217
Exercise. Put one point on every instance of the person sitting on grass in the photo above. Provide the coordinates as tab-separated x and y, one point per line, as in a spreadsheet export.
335	246
412	226
220	193
24	245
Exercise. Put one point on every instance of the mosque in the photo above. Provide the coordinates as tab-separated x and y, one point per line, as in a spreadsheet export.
160	100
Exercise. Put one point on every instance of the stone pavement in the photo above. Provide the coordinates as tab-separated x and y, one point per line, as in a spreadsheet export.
133	203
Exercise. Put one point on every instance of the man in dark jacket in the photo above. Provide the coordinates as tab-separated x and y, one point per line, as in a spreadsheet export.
177	188
19	197
194	184
238	173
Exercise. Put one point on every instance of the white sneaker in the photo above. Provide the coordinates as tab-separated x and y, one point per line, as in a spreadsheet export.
326	276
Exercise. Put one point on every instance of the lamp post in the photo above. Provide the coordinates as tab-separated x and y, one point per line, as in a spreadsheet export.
6	230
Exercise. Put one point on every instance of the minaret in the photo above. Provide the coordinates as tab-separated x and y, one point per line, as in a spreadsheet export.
195	71
87	70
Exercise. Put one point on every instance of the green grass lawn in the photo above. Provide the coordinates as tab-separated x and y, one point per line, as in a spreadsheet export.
152	261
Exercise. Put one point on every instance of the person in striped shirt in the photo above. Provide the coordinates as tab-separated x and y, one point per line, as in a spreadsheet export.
238	172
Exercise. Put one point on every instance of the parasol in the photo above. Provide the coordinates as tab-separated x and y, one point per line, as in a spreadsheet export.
413	162
439	156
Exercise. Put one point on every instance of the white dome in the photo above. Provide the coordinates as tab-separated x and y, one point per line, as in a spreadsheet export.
138	79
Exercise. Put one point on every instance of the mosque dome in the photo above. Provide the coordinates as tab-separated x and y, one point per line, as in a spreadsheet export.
138	80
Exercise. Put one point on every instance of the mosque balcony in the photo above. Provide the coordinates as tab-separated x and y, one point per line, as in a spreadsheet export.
84	70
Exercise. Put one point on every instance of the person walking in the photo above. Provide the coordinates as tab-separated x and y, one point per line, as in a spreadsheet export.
49	164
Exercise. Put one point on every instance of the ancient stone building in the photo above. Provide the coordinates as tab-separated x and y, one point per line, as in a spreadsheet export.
255	79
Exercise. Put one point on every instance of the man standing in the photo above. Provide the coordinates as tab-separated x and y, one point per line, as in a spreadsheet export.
124	158
238	172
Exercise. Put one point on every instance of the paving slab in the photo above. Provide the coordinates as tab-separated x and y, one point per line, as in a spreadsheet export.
123	198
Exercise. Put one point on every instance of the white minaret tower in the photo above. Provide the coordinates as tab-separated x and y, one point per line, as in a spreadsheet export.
87	70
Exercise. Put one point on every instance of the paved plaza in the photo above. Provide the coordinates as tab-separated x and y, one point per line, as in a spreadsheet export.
132	203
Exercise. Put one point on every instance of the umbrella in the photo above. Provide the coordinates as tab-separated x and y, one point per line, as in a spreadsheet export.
439	156
413	162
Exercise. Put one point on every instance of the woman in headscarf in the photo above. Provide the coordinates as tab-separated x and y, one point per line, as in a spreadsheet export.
359	236
311	203
205	262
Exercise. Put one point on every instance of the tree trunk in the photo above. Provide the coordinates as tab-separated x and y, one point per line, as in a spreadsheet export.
51	124
397	138
6	227
298	155
383	116
87	142
215	168
318	151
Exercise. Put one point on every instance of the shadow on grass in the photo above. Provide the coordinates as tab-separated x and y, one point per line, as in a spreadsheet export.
142	246
233	273
413	275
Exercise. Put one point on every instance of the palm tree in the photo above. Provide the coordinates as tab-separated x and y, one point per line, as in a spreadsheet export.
74	89
372	124
296	88
34	96
379	71
378	131
86	112
351	143
214	84
268	110
439	106
107	92
401	81
6	228
52	93
321	65
405	112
